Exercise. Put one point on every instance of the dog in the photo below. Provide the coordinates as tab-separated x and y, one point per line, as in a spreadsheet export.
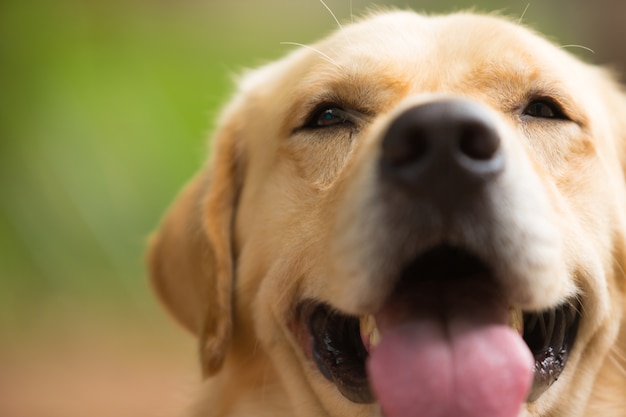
417	216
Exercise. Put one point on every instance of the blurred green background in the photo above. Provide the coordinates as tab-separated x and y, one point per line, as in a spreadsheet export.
105	111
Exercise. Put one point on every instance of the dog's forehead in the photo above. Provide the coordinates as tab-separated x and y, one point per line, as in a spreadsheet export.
463	35
373	63
437	51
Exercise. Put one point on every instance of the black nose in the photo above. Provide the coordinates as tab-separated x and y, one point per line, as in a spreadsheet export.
443	148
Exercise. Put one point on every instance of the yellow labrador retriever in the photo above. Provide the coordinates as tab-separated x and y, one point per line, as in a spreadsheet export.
418	216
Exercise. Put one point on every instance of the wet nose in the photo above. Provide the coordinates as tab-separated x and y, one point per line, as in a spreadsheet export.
442	148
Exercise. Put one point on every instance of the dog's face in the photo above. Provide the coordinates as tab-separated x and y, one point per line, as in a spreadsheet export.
417	216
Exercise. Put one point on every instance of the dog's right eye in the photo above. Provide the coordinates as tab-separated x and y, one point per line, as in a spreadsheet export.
330	116
544	108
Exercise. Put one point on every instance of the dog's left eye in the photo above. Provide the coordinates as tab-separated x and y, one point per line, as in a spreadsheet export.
544	109
330	116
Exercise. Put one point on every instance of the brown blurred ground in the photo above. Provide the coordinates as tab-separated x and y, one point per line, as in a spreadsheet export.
84	365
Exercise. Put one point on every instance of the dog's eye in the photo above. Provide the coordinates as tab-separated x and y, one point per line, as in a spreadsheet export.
544	109
330	116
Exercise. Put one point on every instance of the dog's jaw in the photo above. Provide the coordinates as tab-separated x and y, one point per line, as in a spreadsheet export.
513	234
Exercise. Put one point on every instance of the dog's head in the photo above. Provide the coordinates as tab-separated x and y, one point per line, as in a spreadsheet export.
423	215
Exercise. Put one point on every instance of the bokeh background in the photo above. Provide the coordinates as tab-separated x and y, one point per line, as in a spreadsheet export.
105	111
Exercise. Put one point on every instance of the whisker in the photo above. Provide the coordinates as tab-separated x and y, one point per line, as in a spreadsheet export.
523	14
320	53
351	12
580	47
335	17
332	14
577	306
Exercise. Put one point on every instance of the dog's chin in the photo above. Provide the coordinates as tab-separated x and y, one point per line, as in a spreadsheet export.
443	287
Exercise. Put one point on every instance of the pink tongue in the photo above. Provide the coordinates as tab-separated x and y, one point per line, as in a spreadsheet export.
459	367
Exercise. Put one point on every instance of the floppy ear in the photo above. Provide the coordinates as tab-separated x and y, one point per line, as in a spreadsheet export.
190	257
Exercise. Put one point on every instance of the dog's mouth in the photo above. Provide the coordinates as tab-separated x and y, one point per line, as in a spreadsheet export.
451	291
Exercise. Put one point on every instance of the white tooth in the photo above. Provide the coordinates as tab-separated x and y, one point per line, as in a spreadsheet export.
516	320
369	330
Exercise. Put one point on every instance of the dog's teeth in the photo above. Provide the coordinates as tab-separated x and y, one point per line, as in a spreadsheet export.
516	320
369	332
371	335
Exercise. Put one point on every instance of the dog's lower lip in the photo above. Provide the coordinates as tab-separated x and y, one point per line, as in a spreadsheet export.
340	348
550	336
338	351
337	348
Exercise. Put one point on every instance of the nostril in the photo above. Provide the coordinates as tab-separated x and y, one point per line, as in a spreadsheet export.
404	148
478	143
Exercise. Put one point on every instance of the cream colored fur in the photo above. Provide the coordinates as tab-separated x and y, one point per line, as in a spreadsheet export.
280	214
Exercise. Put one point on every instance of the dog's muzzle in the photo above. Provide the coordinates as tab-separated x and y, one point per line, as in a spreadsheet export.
447	336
